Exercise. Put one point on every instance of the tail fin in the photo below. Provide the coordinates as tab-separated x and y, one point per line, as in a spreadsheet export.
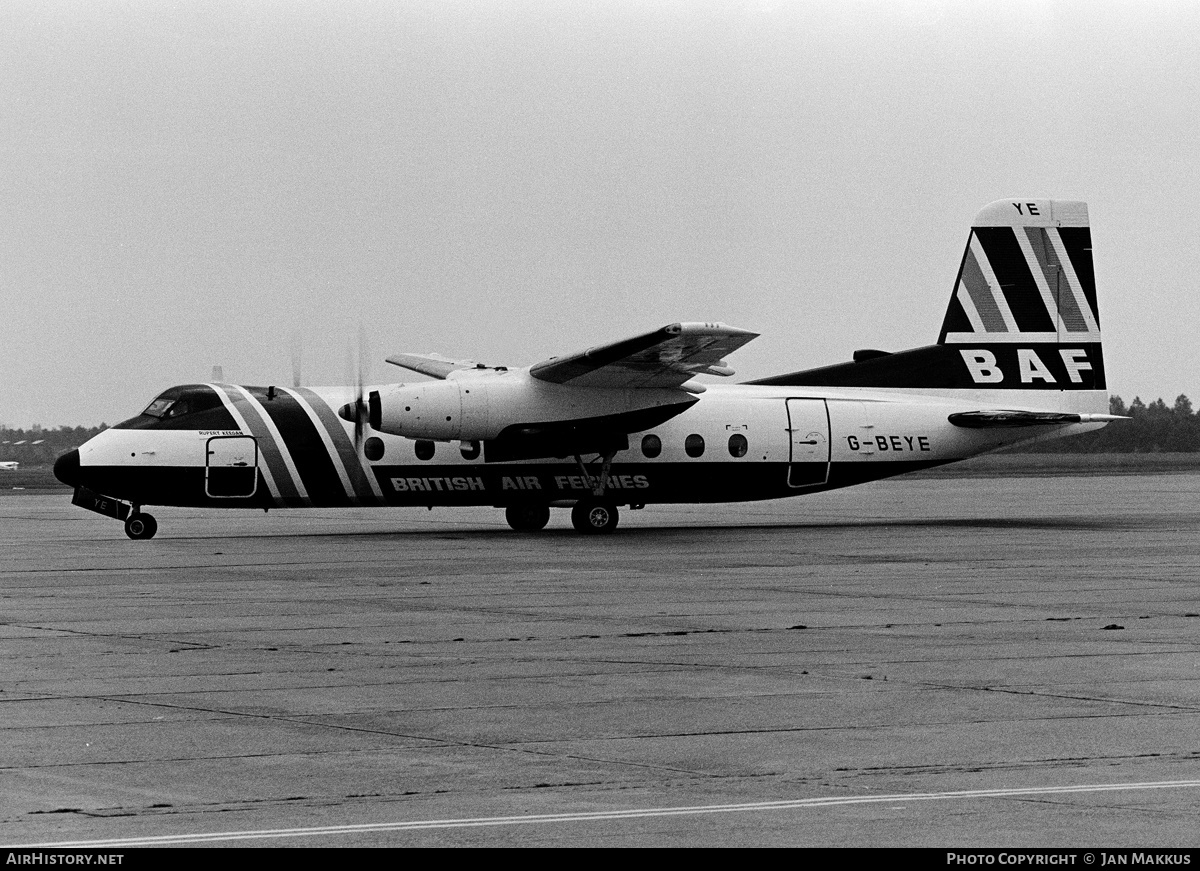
1023	314
1026	297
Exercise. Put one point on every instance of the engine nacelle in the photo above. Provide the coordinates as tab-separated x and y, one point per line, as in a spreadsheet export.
427	410
491	405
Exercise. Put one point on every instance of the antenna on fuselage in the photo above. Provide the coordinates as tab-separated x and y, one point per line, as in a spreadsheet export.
297	359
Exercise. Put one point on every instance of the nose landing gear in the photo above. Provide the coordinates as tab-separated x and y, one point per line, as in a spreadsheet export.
139	525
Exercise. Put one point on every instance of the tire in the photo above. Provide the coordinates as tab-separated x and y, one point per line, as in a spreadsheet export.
593	517
527	518
140	526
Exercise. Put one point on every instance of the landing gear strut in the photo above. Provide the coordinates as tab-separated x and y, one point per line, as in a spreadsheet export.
139	525
527	518
595	515
598	483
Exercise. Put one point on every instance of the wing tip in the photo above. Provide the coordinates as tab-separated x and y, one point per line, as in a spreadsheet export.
710	328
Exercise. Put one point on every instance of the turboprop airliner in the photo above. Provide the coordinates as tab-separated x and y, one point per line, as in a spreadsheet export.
625	425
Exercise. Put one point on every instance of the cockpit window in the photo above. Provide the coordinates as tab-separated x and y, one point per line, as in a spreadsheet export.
189	406
167	407
158	407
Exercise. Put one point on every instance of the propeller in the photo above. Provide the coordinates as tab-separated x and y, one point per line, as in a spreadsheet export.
358	412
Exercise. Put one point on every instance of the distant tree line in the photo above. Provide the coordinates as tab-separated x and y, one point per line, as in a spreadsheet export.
41	447
1151	429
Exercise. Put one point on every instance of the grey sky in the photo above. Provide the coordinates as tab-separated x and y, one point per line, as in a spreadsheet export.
189	184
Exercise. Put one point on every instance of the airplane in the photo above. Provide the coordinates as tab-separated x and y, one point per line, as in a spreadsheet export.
626	424
9	465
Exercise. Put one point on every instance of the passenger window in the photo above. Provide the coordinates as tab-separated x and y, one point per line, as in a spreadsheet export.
424	449
470	450
693	445
651	446
738	445
373	448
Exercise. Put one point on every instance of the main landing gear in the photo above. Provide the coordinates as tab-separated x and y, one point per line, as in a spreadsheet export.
139	525
527	518
590	516
594	516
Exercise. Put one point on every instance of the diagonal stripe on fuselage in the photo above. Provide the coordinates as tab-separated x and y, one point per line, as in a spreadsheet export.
356	474
303	443
271	448
232	406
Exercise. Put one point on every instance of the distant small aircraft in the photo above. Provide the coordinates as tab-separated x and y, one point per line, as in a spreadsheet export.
9	465
624	424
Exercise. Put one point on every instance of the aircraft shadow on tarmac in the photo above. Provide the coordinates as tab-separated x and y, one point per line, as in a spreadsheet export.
705	531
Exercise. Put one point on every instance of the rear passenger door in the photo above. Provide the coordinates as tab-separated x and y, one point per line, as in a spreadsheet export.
808	426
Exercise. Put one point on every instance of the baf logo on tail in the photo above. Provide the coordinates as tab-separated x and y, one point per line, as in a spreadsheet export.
626	424
1069	367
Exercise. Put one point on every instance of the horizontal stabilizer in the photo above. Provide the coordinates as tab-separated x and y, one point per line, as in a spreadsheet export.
433	365
1001	418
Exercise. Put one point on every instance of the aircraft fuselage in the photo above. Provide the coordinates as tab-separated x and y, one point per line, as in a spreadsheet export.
276	448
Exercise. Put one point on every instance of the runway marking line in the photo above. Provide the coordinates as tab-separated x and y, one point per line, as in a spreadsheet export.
587	816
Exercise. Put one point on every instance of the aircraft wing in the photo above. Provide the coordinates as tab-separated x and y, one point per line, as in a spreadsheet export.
1002	418
434	365
666	357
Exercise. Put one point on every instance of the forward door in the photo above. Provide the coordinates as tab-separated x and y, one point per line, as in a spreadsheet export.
231	467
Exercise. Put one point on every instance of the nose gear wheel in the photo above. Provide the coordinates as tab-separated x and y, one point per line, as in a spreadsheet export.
138	526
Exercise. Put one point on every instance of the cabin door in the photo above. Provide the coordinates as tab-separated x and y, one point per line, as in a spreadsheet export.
808	425
231	467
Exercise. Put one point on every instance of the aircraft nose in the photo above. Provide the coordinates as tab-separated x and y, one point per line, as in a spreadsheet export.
66	468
